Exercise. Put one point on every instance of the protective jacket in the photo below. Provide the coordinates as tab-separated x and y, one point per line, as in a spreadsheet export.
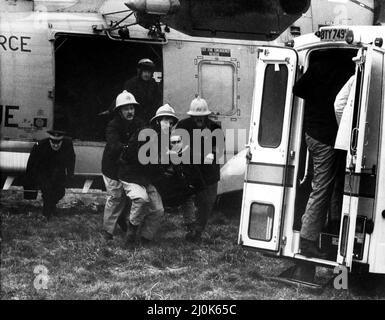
147	93
120	156
210	172
174	182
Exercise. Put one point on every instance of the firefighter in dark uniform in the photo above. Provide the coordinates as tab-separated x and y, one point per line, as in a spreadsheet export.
198	123
177	182
145	89
50	165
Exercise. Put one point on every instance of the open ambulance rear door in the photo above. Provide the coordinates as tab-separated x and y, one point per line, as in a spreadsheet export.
362	200
269	171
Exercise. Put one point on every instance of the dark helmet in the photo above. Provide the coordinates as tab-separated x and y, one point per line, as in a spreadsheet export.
56	134
146	64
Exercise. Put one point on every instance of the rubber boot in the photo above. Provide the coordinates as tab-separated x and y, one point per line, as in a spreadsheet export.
131	235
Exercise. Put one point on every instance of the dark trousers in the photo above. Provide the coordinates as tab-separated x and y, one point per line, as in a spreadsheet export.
328	185
204	202
51	194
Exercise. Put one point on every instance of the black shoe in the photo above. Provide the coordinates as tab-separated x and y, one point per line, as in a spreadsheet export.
129	241
131	235
123	225
49	210
310	249
46	215
145	242
193	236
107	236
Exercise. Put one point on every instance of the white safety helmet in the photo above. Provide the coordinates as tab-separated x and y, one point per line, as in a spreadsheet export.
165	111
199	107
123	99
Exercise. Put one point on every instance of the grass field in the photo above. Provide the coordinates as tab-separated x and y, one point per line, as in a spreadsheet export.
81	265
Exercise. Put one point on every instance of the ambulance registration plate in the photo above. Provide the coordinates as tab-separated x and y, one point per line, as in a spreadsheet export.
333	34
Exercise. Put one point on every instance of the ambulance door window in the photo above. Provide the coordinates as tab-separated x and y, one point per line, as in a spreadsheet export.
261	221
217	86
273	106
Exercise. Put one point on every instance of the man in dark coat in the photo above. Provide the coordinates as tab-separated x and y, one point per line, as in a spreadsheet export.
319	87
145	89
50	165
198	123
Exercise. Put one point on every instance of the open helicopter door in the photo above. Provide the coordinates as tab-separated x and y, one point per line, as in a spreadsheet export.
362	162
268	174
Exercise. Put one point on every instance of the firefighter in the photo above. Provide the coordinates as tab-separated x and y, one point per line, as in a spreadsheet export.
146	210
50	165
160	167
177	182
116	137
145	89
197	124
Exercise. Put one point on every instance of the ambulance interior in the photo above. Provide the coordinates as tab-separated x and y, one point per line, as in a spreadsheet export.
329	236
89	73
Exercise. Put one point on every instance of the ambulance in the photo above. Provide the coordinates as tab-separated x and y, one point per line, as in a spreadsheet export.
278	174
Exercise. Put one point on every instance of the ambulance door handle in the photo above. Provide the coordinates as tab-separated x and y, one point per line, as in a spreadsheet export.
270	61
353	140
367	131
292	154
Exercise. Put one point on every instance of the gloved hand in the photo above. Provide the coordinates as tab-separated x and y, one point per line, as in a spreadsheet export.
169	172
209	159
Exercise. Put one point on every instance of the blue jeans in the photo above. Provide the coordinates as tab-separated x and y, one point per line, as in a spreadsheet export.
327	184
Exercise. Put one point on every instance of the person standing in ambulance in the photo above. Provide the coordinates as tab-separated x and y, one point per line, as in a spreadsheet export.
319	87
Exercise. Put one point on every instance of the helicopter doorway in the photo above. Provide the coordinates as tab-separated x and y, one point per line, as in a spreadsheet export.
89	73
